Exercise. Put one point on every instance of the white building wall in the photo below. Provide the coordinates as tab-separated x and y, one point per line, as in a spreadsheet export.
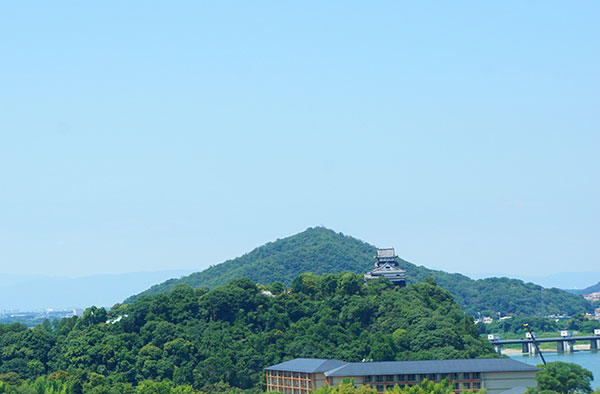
319	380
497	382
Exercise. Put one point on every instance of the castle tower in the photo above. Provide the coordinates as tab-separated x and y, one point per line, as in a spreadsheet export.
386	266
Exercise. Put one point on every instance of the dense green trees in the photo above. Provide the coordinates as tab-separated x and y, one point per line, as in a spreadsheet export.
425	387
224	338
97	384
320	250
50	386
564	378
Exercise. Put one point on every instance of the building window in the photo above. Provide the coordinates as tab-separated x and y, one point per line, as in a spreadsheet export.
400	378
456	386
379	378
389	378
467	385
380	388
368	379
454	376
466	375
410	378
476	375
476	386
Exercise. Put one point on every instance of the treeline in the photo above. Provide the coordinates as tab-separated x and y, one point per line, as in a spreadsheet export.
321	250
225	337
63	383
52	385
426	387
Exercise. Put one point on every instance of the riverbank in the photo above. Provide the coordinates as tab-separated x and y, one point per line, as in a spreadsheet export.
548	350
587	359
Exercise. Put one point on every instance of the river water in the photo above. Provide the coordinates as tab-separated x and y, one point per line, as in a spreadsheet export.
586	358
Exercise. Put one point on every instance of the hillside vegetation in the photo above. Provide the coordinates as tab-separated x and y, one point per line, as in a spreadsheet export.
226	336
321	250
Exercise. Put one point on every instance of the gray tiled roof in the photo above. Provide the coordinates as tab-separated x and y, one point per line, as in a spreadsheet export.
391	270
430	366
388	252
308	365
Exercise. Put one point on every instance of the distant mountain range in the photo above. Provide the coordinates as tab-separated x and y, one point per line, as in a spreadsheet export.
37	292
587	290
578	281
320	250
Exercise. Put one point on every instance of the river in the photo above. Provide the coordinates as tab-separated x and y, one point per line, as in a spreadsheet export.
586	358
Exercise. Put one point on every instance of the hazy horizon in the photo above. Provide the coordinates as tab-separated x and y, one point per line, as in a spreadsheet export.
147	138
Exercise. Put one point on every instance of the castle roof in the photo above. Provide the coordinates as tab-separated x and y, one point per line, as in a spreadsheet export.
387	253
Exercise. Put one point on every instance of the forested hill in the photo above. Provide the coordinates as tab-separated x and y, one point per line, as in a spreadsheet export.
317	250
200	338
320	250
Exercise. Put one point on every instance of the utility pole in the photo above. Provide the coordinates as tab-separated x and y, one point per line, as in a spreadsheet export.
526	325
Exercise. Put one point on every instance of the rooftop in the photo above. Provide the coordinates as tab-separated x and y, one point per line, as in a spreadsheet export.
383	269
387	253
308	365
431	366
340	368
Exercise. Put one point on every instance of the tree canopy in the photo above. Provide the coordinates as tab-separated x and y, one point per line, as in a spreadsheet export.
564	378
226	336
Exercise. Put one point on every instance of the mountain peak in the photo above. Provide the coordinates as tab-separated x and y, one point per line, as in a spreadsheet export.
321	250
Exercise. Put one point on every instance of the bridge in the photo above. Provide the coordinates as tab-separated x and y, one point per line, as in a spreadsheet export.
563	344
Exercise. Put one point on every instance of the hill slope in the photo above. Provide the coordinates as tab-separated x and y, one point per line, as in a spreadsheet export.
320	250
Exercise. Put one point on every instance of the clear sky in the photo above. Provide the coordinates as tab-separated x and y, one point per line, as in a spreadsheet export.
142	136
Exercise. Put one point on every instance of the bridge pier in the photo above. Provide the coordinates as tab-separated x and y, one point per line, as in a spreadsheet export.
560	346
498	349
532	348
525	347
569	346
594	344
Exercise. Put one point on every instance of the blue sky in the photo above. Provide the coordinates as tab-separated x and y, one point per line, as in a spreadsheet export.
158	135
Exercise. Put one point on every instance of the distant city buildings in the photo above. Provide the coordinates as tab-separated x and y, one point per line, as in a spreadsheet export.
387	267
592	296
484	320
